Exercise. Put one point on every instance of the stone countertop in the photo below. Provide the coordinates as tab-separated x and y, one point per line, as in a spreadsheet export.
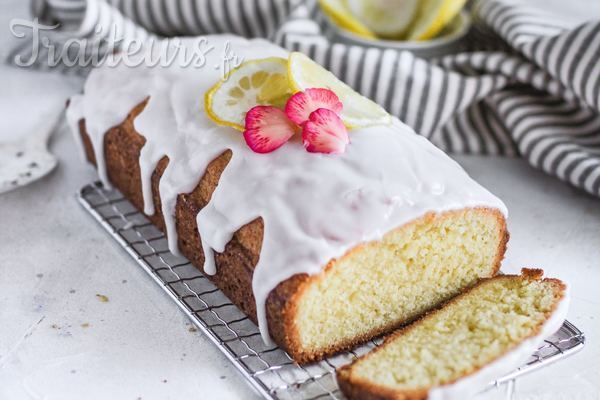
60	340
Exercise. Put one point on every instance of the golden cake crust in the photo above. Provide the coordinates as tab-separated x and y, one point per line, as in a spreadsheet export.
356	388
235	266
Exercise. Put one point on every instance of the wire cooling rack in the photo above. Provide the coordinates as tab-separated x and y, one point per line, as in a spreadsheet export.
268	369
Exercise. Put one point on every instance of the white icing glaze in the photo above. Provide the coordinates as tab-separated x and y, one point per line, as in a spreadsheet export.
470	385
315	207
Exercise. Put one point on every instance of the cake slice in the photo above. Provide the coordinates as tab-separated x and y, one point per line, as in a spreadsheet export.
323	251
454	352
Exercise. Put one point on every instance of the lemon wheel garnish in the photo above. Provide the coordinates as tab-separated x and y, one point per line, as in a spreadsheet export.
255	82
386	18
339	13
358	110
432	17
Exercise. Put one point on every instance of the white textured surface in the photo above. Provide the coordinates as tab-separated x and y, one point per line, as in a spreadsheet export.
54	260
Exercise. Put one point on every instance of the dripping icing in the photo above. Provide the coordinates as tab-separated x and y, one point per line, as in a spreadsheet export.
315	207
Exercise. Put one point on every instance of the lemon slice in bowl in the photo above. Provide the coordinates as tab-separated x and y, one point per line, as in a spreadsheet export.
340	14
255	82
432	17
386	18
358	111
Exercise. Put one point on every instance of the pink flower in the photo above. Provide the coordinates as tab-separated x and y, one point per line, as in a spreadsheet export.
267	129
325	132
315	111
299	107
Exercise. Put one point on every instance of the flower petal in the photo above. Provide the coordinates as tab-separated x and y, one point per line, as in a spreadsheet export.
299	107
267	129
325	132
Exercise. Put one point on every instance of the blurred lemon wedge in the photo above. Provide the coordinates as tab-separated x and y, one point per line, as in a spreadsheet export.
255	82
386	18
432	17
358	111
340	14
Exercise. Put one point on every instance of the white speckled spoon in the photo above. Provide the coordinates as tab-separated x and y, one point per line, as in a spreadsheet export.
28	159
31	107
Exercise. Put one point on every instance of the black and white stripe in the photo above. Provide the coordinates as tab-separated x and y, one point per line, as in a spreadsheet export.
250	18
529	84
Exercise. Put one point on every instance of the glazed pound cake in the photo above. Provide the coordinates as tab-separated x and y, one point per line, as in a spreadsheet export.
323	251
458	350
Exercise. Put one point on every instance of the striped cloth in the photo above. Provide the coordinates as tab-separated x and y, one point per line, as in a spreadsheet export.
528	85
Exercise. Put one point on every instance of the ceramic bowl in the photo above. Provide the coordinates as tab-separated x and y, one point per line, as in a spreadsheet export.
449	41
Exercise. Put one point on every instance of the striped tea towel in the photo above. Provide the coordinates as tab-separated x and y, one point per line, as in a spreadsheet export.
528	85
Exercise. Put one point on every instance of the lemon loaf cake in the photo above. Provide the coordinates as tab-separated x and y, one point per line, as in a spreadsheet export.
456	351
323	251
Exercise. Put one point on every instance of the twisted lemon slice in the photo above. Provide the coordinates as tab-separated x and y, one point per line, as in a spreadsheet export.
255	82
432	17
386	18
358	110
340	14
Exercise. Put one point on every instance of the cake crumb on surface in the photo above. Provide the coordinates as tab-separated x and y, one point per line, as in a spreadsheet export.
102	298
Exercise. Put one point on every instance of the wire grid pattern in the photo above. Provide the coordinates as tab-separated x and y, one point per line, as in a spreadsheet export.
268	369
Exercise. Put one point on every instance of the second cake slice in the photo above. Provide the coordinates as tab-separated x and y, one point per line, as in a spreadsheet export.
456	351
